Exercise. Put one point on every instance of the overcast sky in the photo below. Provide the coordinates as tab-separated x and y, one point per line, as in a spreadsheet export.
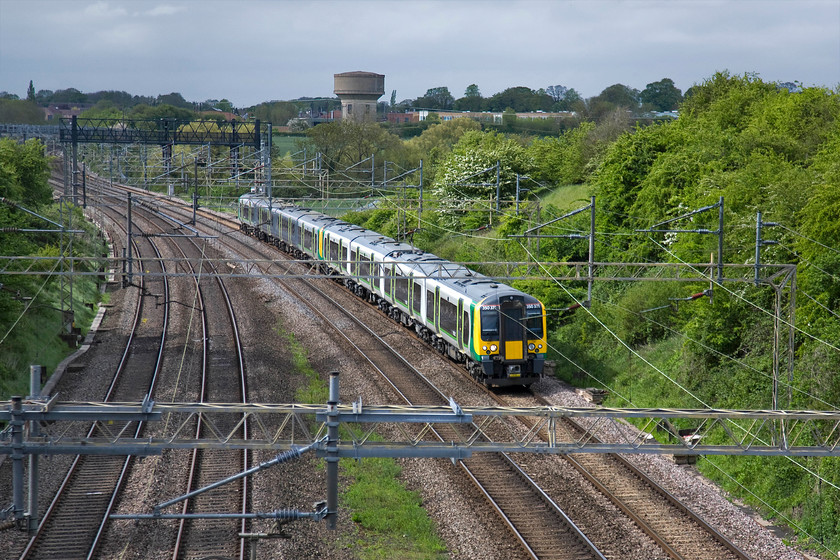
249	51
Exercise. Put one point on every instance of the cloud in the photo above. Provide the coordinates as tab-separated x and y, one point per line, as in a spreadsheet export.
104	10
165	10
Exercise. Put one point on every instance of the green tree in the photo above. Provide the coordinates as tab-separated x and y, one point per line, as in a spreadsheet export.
662	95
276	112
175	99
24	172
472	100
161	112
69	95
520	99
20	112
436	98
345	143
30	93
469	173
621	95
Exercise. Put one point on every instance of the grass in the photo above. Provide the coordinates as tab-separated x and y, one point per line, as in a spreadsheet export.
394	521
569	197
391	520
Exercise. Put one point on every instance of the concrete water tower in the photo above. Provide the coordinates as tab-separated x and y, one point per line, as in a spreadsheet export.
359	92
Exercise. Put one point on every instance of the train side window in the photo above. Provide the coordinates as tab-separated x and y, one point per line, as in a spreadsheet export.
430	306
307	238
365	268
401	288
334	250
417	297
388	273
448	317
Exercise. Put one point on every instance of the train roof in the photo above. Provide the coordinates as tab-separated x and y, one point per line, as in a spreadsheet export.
474	285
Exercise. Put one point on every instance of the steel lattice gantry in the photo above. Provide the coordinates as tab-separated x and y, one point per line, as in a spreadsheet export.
244	139
283	426
160	132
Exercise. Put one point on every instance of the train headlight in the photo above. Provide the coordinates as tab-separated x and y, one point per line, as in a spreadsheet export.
531	347
539	347
493	347
484	348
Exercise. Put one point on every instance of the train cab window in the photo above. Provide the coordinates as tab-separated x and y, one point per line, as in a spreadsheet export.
354	265
534	322
417	297
490	323
465	329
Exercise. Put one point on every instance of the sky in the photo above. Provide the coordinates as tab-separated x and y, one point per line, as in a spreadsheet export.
250	51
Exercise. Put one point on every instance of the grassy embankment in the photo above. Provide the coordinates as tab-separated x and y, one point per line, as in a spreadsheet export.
391	520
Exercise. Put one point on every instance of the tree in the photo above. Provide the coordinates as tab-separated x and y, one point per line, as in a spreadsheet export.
469	173
565	99
557	93
393	99
21	112
520	99
661	95
436	98
621	96
24	172
30	93
69	95
344	143
161	112
174	99
472	100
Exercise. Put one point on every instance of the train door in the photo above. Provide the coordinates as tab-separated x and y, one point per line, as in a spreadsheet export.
460	323
512	332
437	308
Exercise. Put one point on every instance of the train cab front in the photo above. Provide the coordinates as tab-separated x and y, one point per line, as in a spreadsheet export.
512	343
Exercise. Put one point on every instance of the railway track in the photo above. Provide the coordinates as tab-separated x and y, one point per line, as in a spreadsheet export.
222	377
657	521
537	523
673	526
76	518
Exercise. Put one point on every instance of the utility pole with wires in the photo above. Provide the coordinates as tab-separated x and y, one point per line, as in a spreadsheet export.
591	237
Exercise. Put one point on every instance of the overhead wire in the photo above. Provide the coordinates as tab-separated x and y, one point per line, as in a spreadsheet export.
748	302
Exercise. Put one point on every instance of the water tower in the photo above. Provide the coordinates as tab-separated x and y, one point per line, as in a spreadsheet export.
359	92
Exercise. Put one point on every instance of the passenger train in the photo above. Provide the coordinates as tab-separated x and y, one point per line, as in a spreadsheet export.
497	331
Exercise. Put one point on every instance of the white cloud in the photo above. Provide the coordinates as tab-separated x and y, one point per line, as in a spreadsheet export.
104	10
165	10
